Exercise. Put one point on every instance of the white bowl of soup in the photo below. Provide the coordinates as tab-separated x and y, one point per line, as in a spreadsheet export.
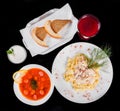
34	86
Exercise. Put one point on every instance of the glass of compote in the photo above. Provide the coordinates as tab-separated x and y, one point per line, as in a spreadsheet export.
88	26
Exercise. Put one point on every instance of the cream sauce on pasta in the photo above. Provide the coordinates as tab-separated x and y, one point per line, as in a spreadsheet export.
79	75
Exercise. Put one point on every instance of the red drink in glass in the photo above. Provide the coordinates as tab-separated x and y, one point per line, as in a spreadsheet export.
88	26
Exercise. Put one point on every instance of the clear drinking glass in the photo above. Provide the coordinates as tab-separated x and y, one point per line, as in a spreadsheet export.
88	26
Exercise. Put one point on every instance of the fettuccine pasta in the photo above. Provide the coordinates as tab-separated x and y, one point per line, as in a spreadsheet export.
79	75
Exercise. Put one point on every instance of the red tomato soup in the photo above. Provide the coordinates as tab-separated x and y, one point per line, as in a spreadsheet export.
35	84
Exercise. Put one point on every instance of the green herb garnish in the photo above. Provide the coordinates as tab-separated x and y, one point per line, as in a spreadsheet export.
98	56
10	51
33	84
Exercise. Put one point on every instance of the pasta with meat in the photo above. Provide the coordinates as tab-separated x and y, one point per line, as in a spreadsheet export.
79	75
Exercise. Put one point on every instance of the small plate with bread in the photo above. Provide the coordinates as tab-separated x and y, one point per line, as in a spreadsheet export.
46	33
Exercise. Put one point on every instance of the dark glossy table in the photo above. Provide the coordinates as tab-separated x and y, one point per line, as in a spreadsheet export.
16	14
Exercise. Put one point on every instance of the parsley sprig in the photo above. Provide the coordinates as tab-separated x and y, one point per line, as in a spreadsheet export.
10	51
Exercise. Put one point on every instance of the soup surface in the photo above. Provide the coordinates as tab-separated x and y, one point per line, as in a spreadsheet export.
35	84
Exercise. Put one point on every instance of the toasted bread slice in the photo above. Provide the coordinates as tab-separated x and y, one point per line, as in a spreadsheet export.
58	24
50	30
39	34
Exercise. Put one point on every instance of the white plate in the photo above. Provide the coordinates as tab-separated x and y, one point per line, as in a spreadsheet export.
65	89
30	102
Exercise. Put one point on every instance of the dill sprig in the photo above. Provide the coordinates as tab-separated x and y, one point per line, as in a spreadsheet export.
98	56
107	50
33	84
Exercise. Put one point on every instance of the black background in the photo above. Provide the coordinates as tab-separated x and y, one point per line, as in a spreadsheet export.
14	15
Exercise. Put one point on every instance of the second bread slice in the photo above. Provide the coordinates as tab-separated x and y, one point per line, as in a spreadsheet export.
49	29
58	24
